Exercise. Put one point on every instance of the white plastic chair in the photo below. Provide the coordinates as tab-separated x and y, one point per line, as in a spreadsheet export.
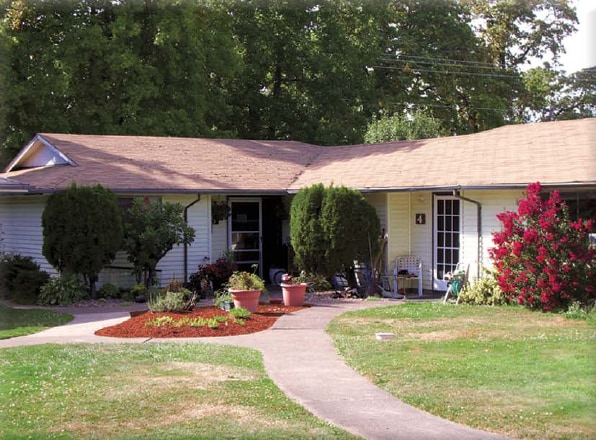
407	268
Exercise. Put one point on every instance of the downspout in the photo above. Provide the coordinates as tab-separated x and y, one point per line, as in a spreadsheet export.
186	208
457	195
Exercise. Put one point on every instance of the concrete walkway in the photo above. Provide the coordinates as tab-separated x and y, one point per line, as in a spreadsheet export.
301	359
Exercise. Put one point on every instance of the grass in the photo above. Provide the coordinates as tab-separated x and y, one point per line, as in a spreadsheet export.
148	391
528	375
21	322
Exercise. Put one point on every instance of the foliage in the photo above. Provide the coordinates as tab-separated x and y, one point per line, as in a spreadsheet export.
108	290
550	95
330	228
21	322
310	71
82	230
420	125
319	283
214	274
543	259
485	291
65	290
577	310
170	300
239	313
138	290
223	295
151	230
306	231
241	280
20	278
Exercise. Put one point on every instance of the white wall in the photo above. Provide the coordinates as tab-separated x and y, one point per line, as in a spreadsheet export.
199	217
20	224
493	202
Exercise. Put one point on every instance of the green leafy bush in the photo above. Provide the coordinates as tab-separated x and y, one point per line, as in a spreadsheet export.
21	279
67	289
82	230
108	290
331	227
577	310
169	301
485	291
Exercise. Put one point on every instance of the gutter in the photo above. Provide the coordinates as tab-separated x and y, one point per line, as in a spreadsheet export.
186	208
457	195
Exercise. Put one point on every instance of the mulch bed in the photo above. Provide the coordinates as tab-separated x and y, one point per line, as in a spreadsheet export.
136	326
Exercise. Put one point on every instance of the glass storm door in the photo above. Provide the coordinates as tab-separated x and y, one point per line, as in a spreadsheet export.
245	233
447	238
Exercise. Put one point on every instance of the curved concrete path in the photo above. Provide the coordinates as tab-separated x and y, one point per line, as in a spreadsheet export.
301	359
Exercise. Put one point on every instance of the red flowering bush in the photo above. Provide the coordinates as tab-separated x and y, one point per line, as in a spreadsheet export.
543	259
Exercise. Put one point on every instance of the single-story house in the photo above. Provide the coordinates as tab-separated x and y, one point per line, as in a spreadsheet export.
436	198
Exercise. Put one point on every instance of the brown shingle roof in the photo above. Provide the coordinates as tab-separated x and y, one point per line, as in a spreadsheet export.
553	153
136	163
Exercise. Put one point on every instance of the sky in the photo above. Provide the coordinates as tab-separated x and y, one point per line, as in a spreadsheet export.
581	51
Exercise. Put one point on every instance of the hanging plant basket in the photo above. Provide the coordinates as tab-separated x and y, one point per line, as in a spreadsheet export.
219	211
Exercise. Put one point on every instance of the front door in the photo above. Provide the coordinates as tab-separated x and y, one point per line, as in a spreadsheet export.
447	225
244	233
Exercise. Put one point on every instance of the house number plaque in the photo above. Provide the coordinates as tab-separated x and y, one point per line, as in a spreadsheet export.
420	219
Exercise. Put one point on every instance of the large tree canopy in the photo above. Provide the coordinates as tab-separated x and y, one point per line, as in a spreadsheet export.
310	70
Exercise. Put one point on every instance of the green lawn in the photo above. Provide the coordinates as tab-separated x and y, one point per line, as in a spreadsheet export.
525	374
20	322
147	391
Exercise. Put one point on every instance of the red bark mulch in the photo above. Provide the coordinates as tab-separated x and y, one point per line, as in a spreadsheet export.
136	327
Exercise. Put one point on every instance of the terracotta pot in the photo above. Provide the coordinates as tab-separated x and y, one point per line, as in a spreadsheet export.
249	299
293	294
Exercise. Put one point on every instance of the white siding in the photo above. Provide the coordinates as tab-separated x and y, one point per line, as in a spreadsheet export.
199	217
20	224
493	203
405	236
219	237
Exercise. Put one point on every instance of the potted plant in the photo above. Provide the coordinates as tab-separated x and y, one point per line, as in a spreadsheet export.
223	300
293	289
245	289
219	211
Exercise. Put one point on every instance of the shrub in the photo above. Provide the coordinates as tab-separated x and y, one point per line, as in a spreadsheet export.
108	290
21	279
151	230
543	259
579	311
170	301
67	289
331	227
485	291
82	230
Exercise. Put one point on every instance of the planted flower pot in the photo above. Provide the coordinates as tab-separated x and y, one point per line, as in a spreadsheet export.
293	294
249	299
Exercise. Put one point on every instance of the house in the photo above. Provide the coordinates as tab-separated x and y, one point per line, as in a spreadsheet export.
436	198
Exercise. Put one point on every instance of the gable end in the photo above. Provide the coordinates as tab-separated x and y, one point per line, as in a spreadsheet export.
38	153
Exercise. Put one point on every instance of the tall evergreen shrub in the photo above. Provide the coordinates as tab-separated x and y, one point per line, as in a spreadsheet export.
82	231
331	227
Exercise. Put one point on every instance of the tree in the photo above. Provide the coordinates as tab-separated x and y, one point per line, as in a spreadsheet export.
550	95
82	231
330	228
151	230
543	259
420	125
